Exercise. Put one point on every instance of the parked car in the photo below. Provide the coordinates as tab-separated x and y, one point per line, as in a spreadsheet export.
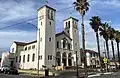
4	68
9	70
0	69
12	70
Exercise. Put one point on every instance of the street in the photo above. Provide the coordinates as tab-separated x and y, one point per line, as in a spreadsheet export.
14	76
113	75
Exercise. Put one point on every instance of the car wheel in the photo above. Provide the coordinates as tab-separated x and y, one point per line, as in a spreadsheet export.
5	72
8	72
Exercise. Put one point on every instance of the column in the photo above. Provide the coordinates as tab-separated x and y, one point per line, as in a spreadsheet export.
61	43
67	59
61	60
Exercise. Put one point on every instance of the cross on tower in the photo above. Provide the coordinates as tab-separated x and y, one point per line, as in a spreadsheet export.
46	2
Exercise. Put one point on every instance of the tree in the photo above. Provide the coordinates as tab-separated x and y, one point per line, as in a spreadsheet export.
104	32
111	32
95	23
117	39
82	6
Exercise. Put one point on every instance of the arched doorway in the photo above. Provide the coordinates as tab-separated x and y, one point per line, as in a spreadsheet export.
58	58
64	58
70	59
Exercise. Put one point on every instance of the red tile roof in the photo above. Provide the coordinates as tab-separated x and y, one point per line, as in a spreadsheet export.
89	51
23	43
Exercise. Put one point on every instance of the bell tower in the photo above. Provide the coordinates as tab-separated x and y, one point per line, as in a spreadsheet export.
46	36
71	28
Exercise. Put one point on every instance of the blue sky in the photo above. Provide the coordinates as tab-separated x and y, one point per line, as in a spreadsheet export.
15	11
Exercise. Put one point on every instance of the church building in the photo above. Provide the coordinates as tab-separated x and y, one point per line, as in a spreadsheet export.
50	49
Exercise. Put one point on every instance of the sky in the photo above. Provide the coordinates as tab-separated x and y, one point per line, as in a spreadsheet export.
17	14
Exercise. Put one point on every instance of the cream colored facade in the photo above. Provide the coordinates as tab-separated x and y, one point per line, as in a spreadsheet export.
53	49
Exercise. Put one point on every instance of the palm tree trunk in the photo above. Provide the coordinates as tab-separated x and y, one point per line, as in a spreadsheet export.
107	47
113	52
113	49
83	46
118	52
98	45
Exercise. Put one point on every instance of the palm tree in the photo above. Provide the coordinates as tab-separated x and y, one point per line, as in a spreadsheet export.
95	23
117	39
104	32
82	6
111	32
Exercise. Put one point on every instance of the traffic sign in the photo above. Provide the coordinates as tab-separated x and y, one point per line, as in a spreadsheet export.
105	60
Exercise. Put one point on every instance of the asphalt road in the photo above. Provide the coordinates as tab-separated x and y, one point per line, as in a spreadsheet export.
114	75
15	76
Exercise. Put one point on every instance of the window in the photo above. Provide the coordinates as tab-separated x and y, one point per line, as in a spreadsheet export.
40	57
68	31
50	39
16	58
91	54
12	49
69	46
57	44
29	47
69	24
75	44
28	58
25	48
48	14
94	54
50	23
49	57
66	24
33	47
19	58
75	31
33	57
40	39
64	43
41	23
52	15
24	59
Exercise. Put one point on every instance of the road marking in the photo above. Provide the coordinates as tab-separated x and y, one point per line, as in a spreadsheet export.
94	75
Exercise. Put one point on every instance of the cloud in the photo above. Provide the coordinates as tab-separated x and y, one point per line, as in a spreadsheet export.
15	11
8	37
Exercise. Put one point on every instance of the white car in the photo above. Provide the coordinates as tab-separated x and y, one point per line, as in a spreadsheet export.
4	68
0	69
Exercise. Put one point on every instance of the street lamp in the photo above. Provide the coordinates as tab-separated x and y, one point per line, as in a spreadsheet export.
38	45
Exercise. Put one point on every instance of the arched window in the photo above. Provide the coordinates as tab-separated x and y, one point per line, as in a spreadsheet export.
69	24
69	55
19	58
28	58
25	48
33	57
66	24
23	58
64	55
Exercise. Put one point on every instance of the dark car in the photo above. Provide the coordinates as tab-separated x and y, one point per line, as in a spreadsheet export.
11	70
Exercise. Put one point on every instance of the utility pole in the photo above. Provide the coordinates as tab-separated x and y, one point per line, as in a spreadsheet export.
38	50
77	65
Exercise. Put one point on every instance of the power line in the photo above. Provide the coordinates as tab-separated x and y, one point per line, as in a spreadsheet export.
32	19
